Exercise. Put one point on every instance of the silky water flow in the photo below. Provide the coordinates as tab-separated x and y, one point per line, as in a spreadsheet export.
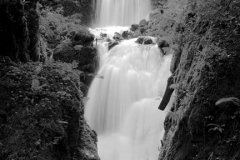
124	96
122	105
121	12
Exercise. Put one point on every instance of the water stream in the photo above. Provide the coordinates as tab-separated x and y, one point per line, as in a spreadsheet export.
121	12
122	105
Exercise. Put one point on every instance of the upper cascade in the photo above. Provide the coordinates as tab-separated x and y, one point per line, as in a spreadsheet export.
121	12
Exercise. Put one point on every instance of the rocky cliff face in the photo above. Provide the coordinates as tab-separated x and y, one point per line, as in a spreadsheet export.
204	119
42	103
63	37
42	113
18	30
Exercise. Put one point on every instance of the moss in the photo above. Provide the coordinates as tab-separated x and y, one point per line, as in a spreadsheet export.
42	113
208	71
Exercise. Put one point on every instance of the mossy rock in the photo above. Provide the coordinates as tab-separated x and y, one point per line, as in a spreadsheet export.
43	113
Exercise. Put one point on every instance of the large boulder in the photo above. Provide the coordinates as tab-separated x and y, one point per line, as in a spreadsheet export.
126	34
143	23
134	27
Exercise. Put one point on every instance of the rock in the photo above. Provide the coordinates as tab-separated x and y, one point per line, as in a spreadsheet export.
134	27
19	30
144	40
162	43
87	59
177	52
142	30
103	35
83	37
108	39
42	29
3	116
112	44
117	37
78	47
126	34
143	23
155	14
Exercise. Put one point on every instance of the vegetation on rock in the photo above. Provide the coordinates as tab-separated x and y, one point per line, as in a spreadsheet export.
42	113
42	103
65	39
197	129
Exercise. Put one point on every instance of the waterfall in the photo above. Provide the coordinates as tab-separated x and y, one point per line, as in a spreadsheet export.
122	106
121	12
124	96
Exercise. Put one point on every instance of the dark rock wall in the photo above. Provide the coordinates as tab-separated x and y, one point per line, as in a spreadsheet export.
41	104
197	128
18	30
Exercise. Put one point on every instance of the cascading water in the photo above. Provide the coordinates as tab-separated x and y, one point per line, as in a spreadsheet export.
122	105
121	12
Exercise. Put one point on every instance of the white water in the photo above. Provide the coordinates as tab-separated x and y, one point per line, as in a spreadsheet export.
123	105
122	108
121	12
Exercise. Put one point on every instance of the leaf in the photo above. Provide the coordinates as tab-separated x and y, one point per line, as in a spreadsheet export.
74	64
61	72
173	86
216	127
38	69
234	100
35	84
62	122
67	77
78	72
63	93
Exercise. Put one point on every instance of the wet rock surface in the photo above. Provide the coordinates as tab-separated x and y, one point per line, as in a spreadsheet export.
144	40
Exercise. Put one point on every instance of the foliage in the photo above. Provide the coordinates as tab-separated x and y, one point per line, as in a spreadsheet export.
216	127
44	108
234	100
208	71
58	31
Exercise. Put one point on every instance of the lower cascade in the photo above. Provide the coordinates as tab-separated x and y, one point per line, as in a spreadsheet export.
123	101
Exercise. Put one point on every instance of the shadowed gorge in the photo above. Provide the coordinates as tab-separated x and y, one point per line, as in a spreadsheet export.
154	80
